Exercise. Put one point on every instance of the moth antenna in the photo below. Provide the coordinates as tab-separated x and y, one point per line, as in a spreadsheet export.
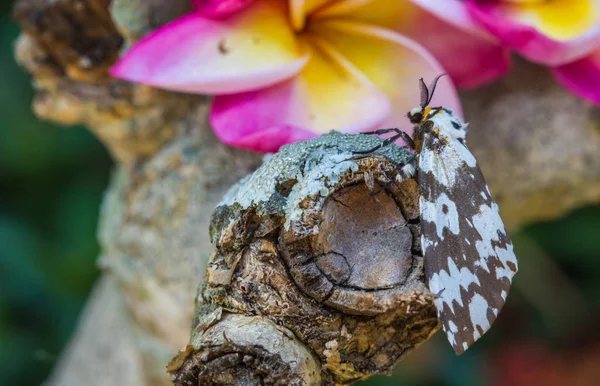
424	93
432	87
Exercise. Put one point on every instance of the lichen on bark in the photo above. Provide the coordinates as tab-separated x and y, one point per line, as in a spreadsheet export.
324	243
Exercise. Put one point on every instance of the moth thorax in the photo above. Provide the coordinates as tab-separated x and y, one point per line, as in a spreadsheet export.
450	124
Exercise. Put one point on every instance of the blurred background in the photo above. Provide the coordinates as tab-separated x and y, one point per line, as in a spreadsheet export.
51	184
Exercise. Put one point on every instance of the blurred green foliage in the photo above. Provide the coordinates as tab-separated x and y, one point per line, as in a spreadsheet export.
51	185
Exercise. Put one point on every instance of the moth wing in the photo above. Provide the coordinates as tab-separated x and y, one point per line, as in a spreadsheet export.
469	258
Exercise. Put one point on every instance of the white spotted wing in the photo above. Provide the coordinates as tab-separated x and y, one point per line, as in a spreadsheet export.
469	258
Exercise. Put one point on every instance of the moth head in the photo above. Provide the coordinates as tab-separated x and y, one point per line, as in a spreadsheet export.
415	115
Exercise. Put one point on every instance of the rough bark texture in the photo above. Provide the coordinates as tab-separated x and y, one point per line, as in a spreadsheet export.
537	146
325	245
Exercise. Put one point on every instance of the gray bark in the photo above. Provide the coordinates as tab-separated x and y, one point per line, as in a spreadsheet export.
324	244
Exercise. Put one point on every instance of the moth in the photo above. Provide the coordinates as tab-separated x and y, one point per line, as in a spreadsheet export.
468	256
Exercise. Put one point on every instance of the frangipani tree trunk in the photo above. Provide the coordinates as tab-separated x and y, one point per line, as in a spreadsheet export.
537	145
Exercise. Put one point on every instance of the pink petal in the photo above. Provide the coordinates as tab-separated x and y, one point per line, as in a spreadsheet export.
324	96
394	63
502	20
260	120
470	59
217	9
455	12
582	77
251	49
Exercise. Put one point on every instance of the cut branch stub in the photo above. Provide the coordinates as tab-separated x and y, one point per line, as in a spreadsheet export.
360	253
323	243
260	353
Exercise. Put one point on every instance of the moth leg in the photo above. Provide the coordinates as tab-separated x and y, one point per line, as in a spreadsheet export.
404	171
380	131
383	188
409	141
400	134
388	183
383	144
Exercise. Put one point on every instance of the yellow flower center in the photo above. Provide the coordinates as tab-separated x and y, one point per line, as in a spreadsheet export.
559	19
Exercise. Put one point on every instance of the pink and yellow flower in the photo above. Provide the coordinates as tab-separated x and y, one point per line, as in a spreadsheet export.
283	71
561	34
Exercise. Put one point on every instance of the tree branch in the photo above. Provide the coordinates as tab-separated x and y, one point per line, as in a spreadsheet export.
325	244
537	146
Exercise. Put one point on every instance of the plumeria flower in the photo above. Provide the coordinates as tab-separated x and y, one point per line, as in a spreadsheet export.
561	34
283	71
